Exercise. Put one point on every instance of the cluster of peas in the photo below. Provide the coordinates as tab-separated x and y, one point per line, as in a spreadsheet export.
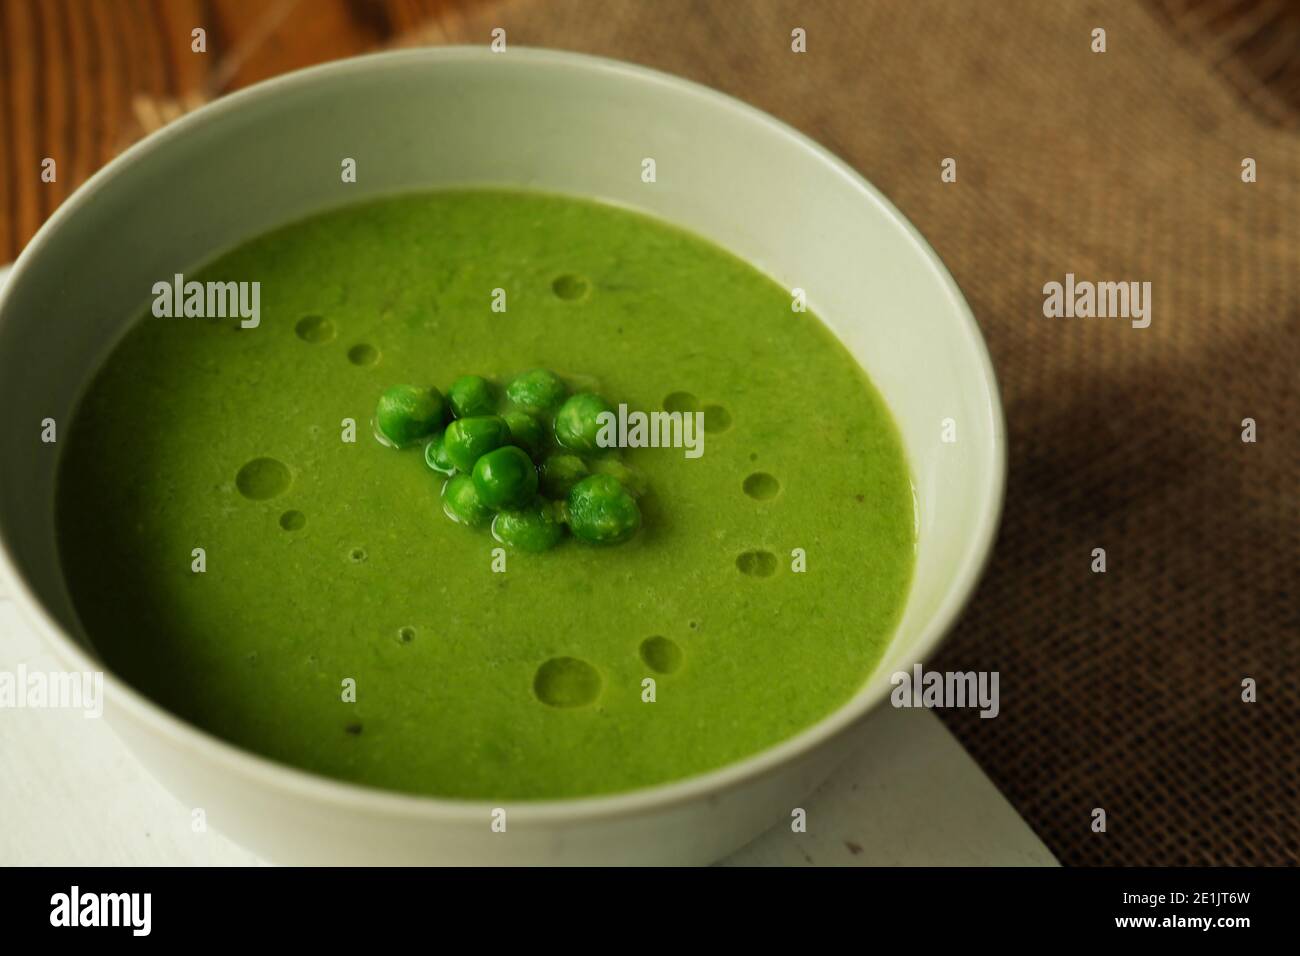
531	470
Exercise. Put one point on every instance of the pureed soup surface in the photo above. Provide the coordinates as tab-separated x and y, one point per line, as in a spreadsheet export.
351	571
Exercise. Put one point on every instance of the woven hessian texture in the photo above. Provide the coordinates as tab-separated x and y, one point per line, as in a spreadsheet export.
1122	690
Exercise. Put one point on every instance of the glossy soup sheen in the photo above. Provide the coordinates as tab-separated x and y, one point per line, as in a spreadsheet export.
352	572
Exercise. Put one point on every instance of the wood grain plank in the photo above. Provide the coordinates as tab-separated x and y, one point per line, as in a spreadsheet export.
286	35
81	55
187	71
24	126
8	183
82	79
56	141
109	81
140	73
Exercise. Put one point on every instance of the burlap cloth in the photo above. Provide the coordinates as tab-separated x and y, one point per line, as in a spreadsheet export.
1119	690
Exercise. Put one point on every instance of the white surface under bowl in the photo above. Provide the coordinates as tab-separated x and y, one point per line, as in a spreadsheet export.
563	123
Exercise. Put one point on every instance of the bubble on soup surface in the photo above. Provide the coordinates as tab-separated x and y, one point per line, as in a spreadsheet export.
363	354
661	654
315	329
262	478
566	682
716	418
761	486
570	287
292	520
681	402
758	564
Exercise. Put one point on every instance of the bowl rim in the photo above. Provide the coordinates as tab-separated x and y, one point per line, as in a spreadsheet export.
304	784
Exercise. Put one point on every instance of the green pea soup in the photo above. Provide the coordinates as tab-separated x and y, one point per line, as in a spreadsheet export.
242	550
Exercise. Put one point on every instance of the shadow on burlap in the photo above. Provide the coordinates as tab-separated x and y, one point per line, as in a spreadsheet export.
1119	690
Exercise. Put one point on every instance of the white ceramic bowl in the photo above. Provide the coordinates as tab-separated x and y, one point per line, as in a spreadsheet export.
559	122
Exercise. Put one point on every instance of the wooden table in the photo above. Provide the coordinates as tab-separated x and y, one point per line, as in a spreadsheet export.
80	80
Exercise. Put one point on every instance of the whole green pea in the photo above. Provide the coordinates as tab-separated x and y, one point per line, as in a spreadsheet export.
525	431
577	422
471	395
602	512
407	413
468	439
536	392
462	504
506	478
435	455
532	528
560	473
